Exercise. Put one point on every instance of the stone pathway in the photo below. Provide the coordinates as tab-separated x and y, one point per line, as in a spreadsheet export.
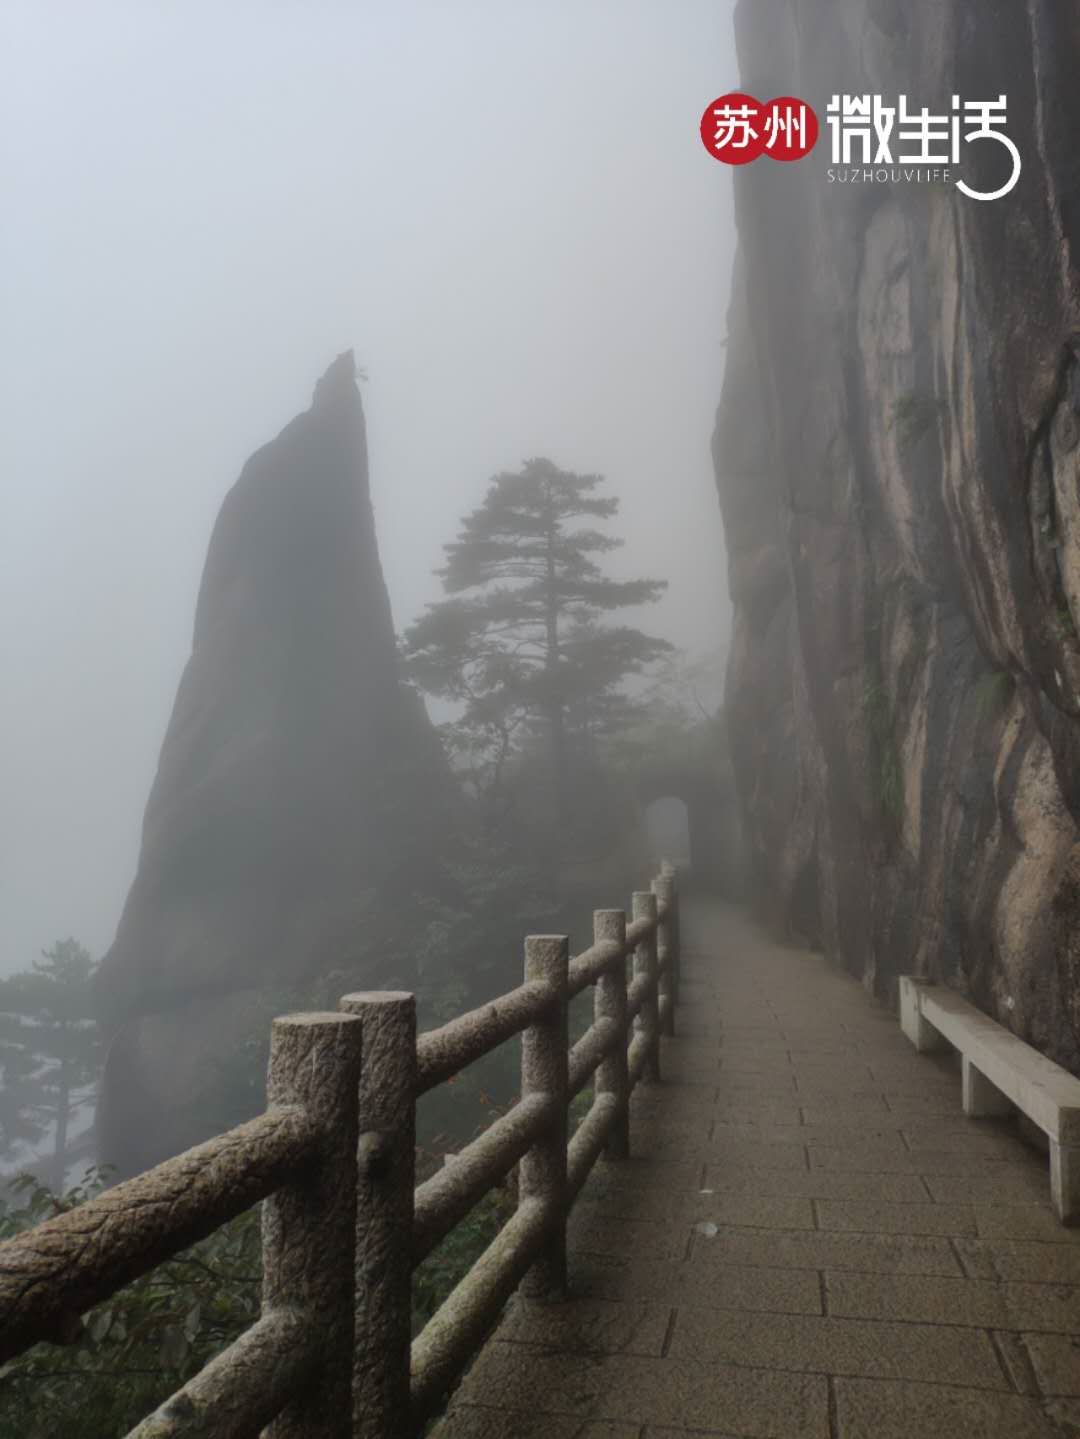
811	1240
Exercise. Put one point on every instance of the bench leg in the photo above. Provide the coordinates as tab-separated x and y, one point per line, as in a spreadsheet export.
922	1034
1030	1132
982	1100
1065	1181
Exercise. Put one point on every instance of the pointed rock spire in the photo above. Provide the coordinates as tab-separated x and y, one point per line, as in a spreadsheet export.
298	795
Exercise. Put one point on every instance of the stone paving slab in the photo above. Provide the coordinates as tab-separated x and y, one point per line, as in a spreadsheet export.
755	1211
851	1216
816	1130
646	1239
467	1421
775	1291
751	1153
866	1253
810	1239
940	1300
1021	1259
757	1403
1022	1221
765	1111
871	1107
590	1326
1055	1359
1005	1186
650	1432
937	1163
947	1128
818	1184
648	1172
877	1409
823	1344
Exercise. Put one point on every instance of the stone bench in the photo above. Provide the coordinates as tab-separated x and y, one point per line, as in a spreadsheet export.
1001	1074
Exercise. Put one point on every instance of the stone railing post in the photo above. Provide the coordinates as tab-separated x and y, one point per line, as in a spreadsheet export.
644	907
386	1178
542	1172
609	1003
666	953
676	937
308	1227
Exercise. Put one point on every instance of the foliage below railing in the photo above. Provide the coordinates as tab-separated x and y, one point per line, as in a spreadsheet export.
355	1259
140	1345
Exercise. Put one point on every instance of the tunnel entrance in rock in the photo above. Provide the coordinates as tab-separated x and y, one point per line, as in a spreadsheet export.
667	829
686	802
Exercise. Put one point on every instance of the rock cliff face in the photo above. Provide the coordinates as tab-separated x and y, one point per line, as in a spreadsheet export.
898	456
300	795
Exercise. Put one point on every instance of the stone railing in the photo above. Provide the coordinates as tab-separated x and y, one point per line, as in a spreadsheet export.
343	1227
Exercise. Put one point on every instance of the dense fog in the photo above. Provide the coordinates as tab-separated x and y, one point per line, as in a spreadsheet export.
540	877
504	210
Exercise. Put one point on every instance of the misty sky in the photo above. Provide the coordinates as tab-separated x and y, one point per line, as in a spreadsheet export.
505	209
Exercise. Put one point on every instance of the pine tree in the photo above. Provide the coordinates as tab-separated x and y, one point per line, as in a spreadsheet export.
520	641
20	1069
49	1050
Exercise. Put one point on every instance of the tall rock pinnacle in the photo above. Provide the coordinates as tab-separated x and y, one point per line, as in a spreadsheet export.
299	789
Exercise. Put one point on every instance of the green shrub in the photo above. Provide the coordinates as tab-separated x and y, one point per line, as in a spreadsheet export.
139	1346
157	1332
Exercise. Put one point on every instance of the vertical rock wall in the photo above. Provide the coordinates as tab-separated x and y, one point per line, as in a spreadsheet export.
898	457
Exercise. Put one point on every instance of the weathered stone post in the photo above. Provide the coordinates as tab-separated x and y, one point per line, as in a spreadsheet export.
542	1172
386	1155
644	907
676	937
308	1227
668	871
666	953
609	1003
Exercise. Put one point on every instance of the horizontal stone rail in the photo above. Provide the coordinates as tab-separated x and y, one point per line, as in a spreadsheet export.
636	994
589	1142
999	1075
453	1334
619	1048
243	1388
442	1053
449	1195
592	964
290	1375
343	1223
638	1058
596	1044
65	1266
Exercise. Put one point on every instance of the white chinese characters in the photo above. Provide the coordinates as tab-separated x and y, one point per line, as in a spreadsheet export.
785	123
865	130
735	126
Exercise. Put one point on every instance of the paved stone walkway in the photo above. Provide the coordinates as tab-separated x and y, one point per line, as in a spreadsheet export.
810	1240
